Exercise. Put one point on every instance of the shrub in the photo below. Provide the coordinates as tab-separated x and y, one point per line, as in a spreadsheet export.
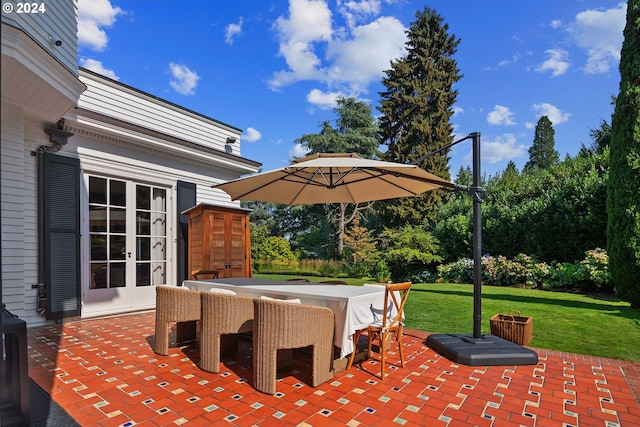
593	271
591	274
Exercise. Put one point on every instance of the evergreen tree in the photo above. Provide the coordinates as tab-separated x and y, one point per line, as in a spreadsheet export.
355	131
601	137
623	202
542	154
416	108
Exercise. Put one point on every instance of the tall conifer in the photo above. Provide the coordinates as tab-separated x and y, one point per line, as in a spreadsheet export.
416	108
623	199
542	154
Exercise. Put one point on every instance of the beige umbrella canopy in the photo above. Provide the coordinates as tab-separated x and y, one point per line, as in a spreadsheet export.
334	178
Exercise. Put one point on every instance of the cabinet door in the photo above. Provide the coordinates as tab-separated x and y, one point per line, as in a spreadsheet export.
227	246
236	253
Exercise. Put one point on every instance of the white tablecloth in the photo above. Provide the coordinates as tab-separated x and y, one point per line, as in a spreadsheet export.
354	307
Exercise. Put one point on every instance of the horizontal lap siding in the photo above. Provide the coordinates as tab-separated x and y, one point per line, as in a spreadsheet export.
59	20
119	102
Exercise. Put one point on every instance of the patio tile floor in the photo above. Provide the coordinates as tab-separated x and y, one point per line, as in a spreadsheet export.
103	372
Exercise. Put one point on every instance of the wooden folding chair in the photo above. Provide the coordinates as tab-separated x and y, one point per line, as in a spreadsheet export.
391	323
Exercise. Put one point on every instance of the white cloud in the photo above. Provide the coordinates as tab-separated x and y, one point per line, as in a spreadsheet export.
96	66
599	32
309	22
323	100
93	17
503	147
353	11
552	112
557	62
457	110
298	151
354	62
183	81
232	31
251	135
341	58
500	116
556	23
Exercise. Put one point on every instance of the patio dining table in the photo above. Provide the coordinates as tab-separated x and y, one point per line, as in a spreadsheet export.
354	307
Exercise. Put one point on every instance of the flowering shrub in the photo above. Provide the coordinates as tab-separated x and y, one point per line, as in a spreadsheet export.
590	274
460	271
594	270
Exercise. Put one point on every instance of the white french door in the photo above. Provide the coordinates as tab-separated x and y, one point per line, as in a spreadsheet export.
127	244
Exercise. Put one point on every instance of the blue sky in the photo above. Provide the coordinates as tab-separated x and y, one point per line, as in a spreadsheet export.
274	68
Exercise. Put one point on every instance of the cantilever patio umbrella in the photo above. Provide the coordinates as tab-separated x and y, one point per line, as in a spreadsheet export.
348	178
334	178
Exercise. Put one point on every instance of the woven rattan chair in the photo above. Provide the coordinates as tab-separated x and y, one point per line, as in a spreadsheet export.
222	314
283	325
395	297
173	305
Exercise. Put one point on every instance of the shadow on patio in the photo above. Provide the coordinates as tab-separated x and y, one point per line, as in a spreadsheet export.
103	372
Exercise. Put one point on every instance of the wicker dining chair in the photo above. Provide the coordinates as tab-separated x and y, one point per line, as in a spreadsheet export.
222	314
173	304
395	297
285	325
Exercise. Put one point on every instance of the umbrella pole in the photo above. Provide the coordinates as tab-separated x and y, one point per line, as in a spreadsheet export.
476	194
478	349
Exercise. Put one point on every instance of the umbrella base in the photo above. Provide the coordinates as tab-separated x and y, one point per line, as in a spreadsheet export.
489	350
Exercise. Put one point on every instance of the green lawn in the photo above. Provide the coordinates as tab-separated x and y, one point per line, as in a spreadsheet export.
561	321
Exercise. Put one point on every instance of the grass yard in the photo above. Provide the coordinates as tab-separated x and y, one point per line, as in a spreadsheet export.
561	321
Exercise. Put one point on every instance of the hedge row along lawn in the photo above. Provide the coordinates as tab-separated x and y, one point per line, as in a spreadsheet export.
574	323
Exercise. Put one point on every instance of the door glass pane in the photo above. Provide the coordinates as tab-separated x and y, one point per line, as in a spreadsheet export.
118	193
98	247
143	223
117	220
158	224
98	276
117	274
159	200
143	197
158	273
118	248
143	251
97	219
143	276
97	190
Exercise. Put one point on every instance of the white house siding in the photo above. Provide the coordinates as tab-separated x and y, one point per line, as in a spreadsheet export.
12	178
58	20
124	103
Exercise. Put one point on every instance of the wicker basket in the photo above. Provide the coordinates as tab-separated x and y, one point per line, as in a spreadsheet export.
512	327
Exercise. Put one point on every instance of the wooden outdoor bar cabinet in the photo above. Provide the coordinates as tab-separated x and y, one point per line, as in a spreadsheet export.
219	240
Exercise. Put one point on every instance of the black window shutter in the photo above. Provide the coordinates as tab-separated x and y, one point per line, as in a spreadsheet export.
186	200
59	215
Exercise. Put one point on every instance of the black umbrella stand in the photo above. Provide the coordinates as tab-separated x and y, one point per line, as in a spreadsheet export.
478	349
